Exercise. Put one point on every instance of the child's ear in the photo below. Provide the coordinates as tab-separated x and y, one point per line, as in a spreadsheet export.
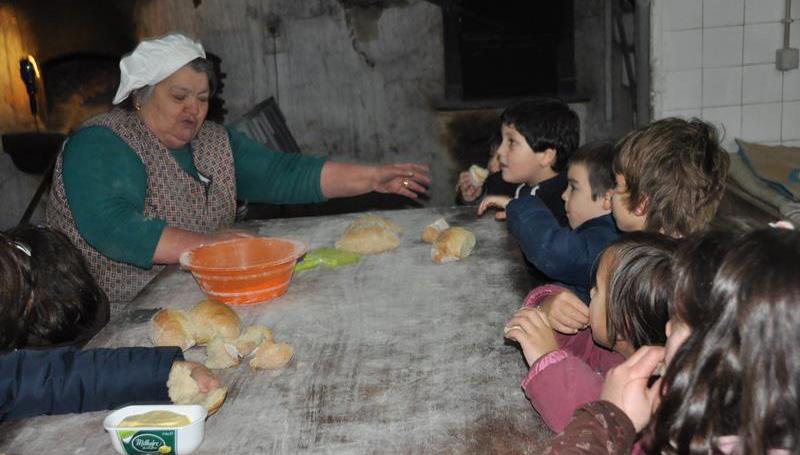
607	199
641	208
549	157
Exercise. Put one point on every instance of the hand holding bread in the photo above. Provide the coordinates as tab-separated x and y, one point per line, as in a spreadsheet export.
478	175
467	187
192	383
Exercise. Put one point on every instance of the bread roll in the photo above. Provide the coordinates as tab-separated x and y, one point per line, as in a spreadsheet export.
252	338
661	369
214	399
183	389
433	230
221	354
477	175
452	244
370	220
370	234
170	327
211	318
272	355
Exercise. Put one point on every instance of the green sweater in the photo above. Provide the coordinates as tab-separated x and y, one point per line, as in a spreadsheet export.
106	182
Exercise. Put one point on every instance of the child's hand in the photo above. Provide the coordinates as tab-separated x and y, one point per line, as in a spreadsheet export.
469	192
499	202
565	312
529	328
626	385
205	379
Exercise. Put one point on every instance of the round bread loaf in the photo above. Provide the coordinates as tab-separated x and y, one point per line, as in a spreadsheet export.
433	230
252	337
221	354
452	244
211	318
272	355
371	220
171	327
370	234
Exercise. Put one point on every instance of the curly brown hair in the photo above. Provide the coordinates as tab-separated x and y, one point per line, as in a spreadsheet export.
677	170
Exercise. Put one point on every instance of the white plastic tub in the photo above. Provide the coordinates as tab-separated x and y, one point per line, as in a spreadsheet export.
157	440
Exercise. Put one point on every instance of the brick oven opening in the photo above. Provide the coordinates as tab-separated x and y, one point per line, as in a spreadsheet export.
515	49
78	86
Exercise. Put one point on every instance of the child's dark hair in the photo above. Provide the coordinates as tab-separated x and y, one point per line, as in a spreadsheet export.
546	123
639	287
738	372
598	157
66	306
677	169
15	293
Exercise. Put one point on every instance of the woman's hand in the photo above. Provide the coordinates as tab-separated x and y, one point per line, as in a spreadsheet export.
468	191
174	242
405	179
499	202
205	379
626	385
352	179
565	312
529	328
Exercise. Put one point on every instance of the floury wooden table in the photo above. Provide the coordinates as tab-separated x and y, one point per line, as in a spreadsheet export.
393	354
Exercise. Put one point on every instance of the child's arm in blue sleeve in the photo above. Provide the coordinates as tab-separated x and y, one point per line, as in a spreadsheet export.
65	380
557	251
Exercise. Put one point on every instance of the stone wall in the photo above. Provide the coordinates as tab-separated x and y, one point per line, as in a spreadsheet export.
355	80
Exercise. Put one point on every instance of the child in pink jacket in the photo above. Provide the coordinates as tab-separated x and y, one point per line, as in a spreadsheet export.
731	382
628	310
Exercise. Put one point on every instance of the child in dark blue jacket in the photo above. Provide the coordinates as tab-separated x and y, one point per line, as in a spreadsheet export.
568	254
63	379
66	380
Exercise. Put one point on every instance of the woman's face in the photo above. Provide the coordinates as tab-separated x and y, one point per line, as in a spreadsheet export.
177	107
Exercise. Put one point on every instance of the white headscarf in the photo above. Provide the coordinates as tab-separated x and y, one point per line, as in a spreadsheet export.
154	60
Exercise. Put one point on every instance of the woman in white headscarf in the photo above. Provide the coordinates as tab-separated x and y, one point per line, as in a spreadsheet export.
135	187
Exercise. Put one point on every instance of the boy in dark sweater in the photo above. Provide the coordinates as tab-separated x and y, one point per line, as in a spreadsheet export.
568	254
538	137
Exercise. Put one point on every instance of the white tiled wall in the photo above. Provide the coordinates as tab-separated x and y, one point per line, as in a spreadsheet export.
715	59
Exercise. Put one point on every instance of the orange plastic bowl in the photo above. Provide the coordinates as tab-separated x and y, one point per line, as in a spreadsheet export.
245	270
